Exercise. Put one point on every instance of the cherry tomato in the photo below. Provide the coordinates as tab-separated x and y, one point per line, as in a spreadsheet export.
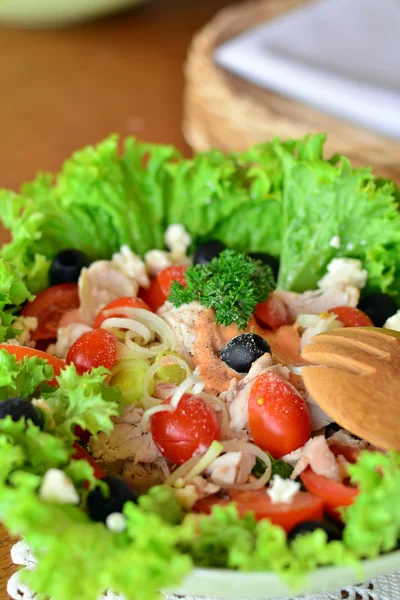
81	454
272	312
332	493
279	419
21	351
190	428
167	276
304	507
152	296
49	306
351	317
97	348
124	302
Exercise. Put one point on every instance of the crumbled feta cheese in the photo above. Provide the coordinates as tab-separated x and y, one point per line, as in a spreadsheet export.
131	265
17	590
311	325
116	522
57	487
393	322
21	554
177	239
66	336
344	272
282	490
156	261
24	325
335	242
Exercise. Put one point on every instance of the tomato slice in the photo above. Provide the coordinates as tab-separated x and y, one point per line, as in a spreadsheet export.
332	493
351	317
279	418
81	454
124	302
152	296
272	313
97	348
192	426
49	306
304	507
21	351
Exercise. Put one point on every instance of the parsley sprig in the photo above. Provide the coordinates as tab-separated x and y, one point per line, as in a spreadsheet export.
232	284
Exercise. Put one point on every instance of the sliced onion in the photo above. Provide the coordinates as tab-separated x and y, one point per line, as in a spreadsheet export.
209	399
194	466
128	324
236	446
186	385
162	362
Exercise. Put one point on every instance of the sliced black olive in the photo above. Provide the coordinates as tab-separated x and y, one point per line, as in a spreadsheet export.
18	408
207	251
332	531
241	351
379	307
267	259
67	266
100	506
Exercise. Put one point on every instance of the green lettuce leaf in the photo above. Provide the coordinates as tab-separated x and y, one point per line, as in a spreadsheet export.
85	400
22	378
13	293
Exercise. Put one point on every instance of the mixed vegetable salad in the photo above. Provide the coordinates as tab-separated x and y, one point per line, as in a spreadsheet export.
153	416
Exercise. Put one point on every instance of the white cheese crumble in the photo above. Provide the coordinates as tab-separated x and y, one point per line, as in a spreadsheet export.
57	487
177	239
393	322
131	265
344	272
21	554
282	490
17	590
335	242
116	522
156	261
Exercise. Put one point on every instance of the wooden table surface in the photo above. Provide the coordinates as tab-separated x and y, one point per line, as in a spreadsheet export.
62	89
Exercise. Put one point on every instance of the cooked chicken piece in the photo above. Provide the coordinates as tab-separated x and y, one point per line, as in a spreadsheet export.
143	476
196	489
131	265
318	301
183	321
24	326
232	467
66	336
316	454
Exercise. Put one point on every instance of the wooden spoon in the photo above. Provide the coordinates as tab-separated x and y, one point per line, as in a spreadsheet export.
356	381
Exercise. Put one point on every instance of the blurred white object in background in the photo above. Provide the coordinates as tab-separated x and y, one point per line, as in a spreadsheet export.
339	56
54	13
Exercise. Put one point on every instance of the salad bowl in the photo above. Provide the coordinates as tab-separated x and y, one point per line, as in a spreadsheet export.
62	403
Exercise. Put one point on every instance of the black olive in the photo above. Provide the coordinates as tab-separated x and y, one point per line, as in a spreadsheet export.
267	259
379	307
17	408
100	506
67	266
207	251
332	530
241	351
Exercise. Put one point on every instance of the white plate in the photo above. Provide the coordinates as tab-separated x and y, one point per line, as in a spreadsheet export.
222	583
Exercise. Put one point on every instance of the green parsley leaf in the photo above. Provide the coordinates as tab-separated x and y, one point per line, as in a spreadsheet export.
279	467
232	284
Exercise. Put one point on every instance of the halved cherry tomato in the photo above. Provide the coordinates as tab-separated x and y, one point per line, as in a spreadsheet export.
351	317
272	312
97	348
81	454
49	306
21	351
153	296
190	428
279	419
170	274
124	302
332	493
304	507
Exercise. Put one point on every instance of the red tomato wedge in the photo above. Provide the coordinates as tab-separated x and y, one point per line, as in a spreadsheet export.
191	427
304	507
332	493
21	351
152	296
351	317
124	302
81	454
49	306
97	348
272	313
279	419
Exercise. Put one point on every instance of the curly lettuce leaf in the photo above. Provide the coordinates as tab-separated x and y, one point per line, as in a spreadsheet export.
13	293
22	378
85	400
